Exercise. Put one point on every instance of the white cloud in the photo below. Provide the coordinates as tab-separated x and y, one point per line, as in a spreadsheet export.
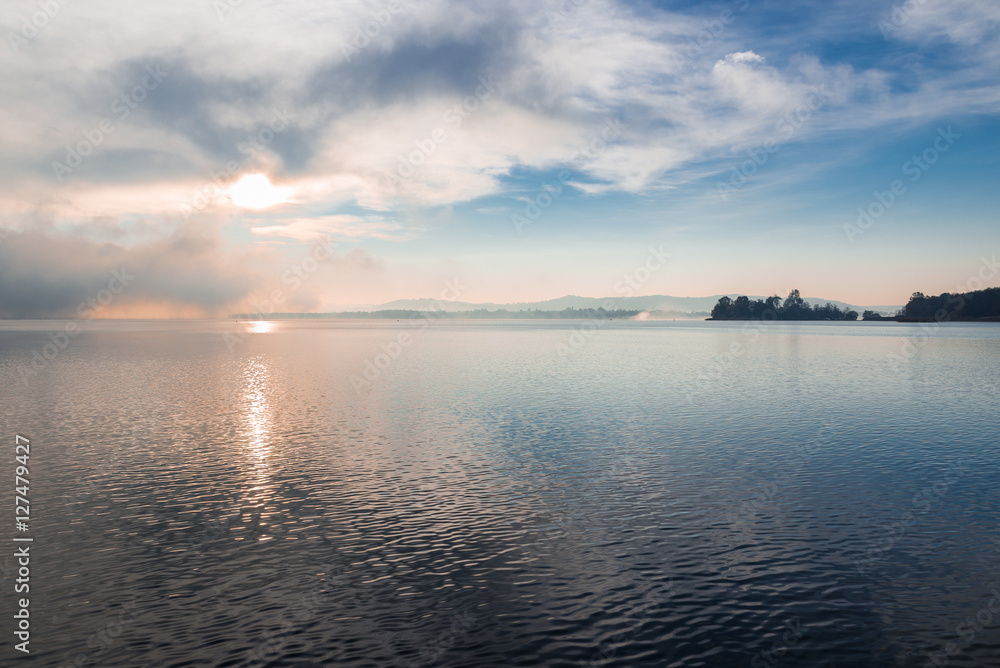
741	58
333	226
968	23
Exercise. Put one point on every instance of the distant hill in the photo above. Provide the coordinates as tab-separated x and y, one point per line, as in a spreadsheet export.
651	307
481	314
675	305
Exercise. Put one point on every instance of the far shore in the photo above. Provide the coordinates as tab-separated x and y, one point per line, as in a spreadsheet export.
887	319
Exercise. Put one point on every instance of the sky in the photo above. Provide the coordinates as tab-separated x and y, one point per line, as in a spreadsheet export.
205	157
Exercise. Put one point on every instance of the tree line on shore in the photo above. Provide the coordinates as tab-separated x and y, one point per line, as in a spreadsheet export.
982	305
976	305
773	308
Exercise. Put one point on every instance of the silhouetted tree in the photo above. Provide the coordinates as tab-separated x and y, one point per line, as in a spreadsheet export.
794	308
948	306
722	310
741	308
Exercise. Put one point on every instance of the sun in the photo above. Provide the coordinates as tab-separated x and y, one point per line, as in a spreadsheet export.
255	191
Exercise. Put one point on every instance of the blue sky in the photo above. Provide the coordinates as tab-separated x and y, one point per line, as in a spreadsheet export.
739	137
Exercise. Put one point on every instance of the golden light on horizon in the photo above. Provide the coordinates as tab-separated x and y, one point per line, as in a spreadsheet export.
255	191
260	327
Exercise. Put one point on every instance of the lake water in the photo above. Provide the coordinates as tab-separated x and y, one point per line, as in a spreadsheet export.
533	493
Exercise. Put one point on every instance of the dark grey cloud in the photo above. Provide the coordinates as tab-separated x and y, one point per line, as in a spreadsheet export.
188	106
183	104
415	68
43	276
121	165
185	107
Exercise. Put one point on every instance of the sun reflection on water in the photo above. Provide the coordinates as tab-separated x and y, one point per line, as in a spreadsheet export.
257	419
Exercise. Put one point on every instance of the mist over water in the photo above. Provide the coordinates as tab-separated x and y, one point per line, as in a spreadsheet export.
513	493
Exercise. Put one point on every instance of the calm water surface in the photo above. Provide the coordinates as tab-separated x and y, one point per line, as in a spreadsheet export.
540	493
